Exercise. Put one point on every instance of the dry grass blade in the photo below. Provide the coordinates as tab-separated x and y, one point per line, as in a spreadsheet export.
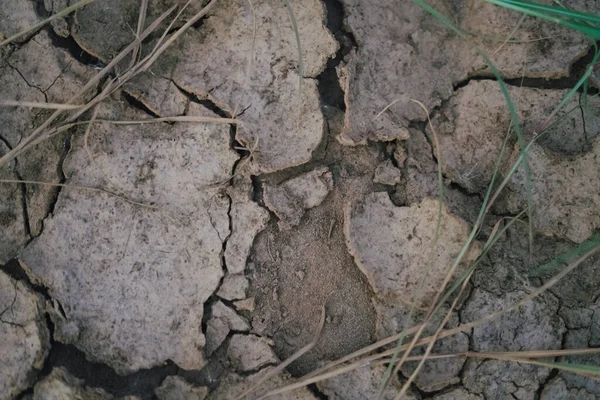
37	133
35	27
275	371
35	104
431	343
140	28
145	65
385	109
432	251
81	187
325	373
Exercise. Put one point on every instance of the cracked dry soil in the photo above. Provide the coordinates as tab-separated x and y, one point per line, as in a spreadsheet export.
308	201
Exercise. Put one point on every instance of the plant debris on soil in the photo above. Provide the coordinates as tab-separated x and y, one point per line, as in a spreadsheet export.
188	257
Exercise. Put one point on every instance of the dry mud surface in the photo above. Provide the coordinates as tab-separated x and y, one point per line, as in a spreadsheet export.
211	249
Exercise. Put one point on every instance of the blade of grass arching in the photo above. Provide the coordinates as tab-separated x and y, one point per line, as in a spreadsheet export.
438	225
297	34
37	26
561	16
566	257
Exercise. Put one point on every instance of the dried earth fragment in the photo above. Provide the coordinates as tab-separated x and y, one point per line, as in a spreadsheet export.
557	389
222	321
473	124
245	305
290	199
38	72
232	385
420	180
387	174
565	192
362	383
393	317
115	266
534	326
234	287
403	53
503	379
457	394
119	17
250	352
255	76
15	17
25	340
392	246
177	388
60	385
13	235
247	220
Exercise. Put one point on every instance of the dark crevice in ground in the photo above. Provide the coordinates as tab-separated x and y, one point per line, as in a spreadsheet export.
15	271
316	392
569	82
141	383
61	175
135	103
23	187
26	81
206	103
448	183
331	93
210	375
74	49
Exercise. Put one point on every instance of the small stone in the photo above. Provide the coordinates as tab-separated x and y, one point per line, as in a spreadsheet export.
61	385
386	173
291	198
177	388
24	342
249	352
245	305
234	287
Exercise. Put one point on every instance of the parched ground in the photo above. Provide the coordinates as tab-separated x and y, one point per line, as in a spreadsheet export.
186	260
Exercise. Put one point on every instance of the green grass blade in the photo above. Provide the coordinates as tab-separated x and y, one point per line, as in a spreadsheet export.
558	15
567	256
298	43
